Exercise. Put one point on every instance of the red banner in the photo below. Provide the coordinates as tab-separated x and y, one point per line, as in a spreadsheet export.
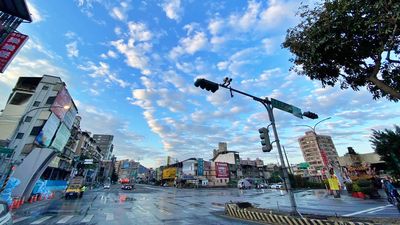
221	170
324	157
63	99
10	47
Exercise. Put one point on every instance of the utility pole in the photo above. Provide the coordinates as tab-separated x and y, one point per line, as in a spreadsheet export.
213	87
287	160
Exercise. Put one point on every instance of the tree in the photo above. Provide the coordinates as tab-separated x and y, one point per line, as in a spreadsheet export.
387	144
354	43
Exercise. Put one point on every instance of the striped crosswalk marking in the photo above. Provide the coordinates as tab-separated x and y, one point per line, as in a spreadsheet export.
41	220
109	216
65	219
20	219
87	219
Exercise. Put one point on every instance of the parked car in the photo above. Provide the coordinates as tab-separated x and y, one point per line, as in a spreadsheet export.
5	215
107	186
127	187
262	186
276	186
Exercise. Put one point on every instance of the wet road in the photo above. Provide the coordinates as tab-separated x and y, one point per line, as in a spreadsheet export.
164	205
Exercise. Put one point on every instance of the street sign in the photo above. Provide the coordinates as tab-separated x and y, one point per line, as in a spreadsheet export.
287	108
7	151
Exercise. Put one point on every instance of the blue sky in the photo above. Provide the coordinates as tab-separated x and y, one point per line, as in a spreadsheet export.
130	66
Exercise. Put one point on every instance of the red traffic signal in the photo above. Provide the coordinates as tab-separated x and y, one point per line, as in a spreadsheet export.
206	84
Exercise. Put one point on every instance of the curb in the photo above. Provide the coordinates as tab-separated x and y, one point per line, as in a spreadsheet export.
262	216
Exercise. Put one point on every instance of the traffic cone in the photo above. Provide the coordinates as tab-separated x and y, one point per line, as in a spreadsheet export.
31	199
40	197
34	198
22	201
18	203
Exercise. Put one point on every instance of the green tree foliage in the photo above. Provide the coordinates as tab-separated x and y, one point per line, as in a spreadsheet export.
387	144
355	43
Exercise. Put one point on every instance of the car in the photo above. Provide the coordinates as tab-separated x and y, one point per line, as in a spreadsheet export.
127	187
276	186
107	186
5	215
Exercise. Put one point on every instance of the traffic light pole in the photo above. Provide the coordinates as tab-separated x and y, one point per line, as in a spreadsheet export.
267	105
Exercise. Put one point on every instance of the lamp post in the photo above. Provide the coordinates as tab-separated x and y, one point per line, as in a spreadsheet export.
315	134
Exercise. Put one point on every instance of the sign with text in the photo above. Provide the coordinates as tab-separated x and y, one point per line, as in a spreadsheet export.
169	173
49	129
286	107
200	167
10	47
63	99
70	117
221	170
61	138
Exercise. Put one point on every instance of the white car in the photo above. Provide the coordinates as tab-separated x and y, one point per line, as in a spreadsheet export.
107	186
5	216
276	186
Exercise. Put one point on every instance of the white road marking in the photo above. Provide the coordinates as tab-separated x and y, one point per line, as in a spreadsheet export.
20	219
109	216
87	219
41	220
65	219
370	212
367	210
165	211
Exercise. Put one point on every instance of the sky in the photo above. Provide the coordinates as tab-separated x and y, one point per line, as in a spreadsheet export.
130	67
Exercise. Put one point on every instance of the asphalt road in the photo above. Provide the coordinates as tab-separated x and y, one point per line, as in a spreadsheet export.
165	205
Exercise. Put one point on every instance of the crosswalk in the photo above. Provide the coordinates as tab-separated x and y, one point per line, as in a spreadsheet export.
58	219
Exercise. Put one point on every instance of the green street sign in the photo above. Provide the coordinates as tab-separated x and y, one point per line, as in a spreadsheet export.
287	108
7	151
304	165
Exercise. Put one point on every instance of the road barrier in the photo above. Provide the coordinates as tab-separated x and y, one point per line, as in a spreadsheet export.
246	211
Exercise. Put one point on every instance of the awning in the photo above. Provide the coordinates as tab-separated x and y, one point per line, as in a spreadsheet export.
16	8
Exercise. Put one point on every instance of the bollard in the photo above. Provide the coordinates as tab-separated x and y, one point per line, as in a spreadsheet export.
34	198
31	199
40	197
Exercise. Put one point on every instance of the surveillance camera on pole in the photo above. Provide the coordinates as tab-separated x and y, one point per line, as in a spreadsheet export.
206	84
265	141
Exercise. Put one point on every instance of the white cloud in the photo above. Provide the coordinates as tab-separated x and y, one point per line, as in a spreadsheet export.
190	45
269	45
246	21
173	9
72	49
136	47
118	14
102	70
35	14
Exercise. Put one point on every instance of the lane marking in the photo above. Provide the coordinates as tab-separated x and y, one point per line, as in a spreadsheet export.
87	219
39	221
109	216
65	219
367	210
20	219
375	211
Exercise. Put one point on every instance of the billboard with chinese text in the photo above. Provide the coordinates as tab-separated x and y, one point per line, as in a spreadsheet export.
221	170
10	47
169	173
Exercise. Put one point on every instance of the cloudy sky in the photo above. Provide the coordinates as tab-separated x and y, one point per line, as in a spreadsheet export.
130	66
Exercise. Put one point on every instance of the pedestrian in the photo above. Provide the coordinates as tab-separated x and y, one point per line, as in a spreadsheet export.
334	185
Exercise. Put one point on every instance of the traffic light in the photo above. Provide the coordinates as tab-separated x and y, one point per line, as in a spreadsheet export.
265	142
206	84
310	115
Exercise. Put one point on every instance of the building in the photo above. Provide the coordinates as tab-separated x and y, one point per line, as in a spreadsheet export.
36	122
128	169
319	151
104	141
222	148
368	160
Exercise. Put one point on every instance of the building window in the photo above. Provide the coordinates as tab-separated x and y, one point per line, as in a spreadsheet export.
50	100
36	103
28	119
20	98
19	136
36	130
45	87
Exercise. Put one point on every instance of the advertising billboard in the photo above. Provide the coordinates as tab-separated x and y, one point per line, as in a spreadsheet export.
63	99
221	170
125	165
200	167
70	117
61	138
188	168
169	173
47	133
10	47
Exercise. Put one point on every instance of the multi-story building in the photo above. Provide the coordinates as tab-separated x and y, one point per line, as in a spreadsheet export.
36	122
319	151
104	141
